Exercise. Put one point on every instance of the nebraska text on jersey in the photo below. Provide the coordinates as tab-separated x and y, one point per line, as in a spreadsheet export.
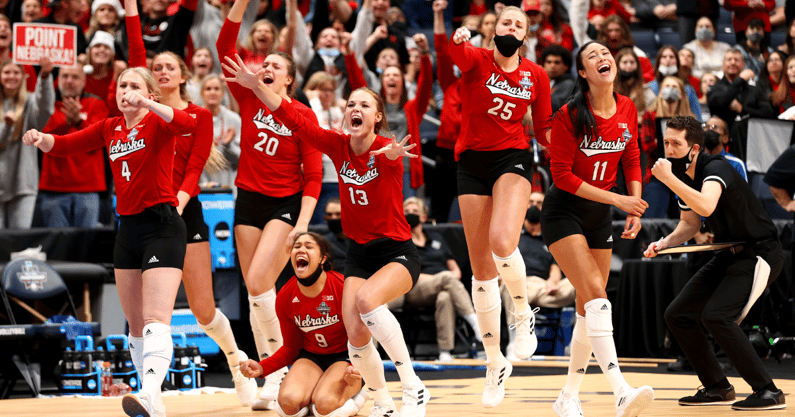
497	86
266	122
350	176
120	148
599	146
310	323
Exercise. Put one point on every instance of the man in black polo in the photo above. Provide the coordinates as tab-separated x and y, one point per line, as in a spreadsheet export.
718	293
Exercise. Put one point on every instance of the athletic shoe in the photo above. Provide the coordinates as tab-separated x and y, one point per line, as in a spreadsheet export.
567	405
414	401
509	353
270	391
632	401
497	371
138	405
246	388
445	356
380	410
526	340
712	396
764	399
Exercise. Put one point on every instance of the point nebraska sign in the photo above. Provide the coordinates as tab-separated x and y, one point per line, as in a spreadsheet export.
32	41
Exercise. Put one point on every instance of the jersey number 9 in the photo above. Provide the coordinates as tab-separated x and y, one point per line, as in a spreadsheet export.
321	340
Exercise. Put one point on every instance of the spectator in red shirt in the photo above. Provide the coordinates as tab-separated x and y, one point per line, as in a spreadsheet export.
747	10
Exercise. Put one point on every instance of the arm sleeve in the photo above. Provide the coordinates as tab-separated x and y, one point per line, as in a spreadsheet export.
630	158
293	341
444	63
562	152
84	140
181	124
200	151
542	107
312	161
226	48
363	29
355	74
424	84
308	130
135	38
462	55
620	10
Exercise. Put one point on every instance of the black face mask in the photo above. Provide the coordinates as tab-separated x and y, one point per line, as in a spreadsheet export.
312	279
507	44
413	219
533	215
711	139
334	226
626	75
680	165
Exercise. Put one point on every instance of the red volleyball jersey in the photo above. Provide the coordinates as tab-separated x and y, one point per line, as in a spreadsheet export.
193	149
495	101
595	160
371	186
273	161
141	157
313	324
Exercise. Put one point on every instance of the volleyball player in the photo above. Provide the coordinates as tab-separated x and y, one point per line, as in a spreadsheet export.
594	132
150	244
278	179
495	171
381	263
191	156
309	307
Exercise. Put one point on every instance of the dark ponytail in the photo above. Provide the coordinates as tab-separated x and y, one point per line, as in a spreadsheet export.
582	117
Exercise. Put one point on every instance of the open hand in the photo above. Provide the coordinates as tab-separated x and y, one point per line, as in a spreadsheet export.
396	150
240	73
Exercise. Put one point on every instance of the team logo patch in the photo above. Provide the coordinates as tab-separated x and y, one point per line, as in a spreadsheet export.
371	162
31	276
323	308
627	135
526	83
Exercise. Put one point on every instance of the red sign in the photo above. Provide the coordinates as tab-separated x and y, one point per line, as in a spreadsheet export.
32	41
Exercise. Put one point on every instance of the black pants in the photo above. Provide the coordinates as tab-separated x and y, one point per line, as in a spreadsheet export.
445	187
716	296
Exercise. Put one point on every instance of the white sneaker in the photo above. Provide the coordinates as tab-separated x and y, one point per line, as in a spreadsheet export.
138	405
381	410
246	388
509	353
567	405
270	391
632	401
414	401
445	356
526	340
497	371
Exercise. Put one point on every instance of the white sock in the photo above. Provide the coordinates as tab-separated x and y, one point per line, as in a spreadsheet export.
599	320
264	308
157	353
512	271
367	360
580	356
472	319
221	332
137	352
259	339
348	409
301	413
386	330
486	299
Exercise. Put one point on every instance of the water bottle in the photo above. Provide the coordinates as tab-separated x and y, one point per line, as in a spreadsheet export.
106	380
68	362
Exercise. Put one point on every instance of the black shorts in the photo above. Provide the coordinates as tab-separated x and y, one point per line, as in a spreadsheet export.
362	261
255	209
154	238
566	214
479	170
194	222
324	361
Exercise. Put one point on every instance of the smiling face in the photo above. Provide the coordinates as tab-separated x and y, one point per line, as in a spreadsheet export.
306	256
31	10
100	54
598	64
388	57
733	63
328	38
167	72
5	34
202	62
71	81
512	22
363	113
11	76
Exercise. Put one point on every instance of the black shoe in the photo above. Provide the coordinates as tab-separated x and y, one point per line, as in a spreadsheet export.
764	399
681	365
713	396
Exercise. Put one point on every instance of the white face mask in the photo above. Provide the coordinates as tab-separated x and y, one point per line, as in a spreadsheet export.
670	94
668	69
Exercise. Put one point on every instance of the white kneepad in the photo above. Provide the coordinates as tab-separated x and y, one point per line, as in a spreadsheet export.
485	295
301	413
599	317
157	341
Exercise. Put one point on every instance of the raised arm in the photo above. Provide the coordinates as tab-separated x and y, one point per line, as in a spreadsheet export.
135	38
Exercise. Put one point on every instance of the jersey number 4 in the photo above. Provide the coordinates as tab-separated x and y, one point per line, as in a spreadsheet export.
502	109
125	170
267	144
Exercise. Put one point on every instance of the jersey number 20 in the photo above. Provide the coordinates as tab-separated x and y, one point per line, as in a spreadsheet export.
267	144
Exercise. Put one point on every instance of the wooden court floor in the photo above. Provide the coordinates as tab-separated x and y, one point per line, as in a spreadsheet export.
525	396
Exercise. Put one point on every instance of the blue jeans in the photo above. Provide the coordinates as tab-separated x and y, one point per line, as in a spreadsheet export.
658	196
69	209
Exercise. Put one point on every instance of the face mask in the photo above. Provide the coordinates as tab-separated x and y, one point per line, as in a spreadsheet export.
534	27
711	139
705	34
668	69
311	279
680	165
334	226
626	75
507	44
533	215
329	52
755	37
670	94
413	219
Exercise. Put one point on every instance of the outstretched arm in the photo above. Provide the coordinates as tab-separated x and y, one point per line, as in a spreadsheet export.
245	78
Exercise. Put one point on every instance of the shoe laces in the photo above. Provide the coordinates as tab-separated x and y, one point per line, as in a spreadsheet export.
493	377
570	404
414	396
525	322
380	410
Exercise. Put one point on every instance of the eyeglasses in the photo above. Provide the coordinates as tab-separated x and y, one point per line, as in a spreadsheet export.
714	128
